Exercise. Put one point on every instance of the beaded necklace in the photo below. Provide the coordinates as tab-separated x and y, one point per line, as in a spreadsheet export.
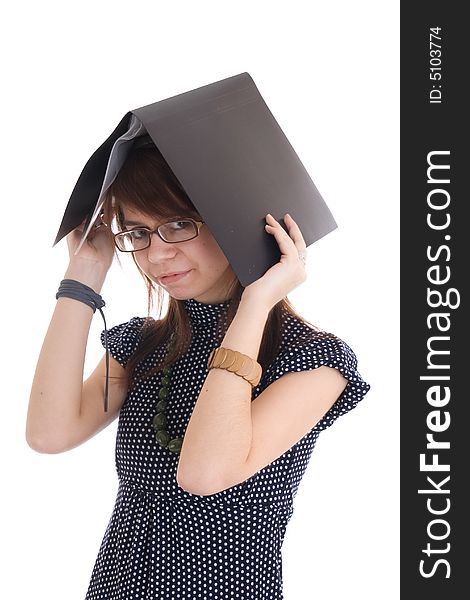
159	421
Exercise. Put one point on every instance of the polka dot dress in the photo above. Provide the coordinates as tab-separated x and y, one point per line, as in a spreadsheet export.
165	543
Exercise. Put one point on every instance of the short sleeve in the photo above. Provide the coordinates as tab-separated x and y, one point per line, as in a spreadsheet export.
123	339
323	350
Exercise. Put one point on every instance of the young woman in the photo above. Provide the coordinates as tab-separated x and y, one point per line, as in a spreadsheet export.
220	401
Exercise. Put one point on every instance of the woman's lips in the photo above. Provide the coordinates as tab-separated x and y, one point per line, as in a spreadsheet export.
172	278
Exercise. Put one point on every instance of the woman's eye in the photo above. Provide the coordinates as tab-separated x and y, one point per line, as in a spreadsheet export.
179	224
137	234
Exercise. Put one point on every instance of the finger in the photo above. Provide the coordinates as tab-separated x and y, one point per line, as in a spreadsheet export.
294	232
99	222
285	242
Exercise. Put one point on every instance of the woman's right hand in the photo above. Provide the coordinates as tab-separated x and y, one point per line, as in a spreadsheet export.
91	264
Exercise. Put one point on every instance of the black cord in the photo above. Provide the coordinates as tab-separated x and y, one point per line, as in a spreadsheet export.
69	288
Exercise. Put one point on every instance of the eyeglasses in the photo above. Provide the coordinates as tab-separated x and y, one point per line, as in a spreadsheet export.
180	230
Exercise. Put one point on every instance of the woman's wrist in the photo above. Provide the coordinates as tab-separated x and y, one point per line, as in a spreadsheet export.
245	332
254	304
90	273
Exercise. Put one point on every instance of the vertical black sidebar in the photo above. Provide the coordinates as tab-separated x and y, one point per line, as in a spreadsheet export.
435	319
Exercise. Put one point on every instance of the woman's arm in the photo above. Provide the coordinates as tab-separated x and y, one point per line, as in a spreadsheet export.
228	437
219	434
63	411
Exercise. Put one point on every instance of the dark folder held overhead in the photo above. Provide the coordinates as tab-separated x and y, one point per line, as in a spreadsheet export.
233	160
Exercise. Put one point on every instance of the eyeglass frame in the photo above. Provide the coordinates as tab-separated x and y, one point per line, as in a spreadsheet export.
198	225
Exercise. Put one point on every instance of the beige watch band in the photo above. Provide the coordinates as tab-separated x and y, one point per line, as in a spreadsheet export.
235	362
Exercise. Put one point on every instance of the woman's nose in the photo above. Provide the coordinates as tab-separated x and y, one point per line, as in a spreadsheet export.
160	250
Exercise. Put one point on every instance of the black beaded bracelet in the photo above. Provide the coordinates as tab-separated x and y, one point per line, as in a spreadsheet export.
70	288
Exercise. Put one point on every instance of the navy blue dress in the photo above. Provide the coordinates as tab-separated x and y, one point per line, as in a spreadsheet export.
165	543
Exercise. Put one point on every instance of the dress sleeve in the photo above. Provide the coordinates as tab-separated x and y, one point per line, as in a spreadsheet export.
123	339
323	350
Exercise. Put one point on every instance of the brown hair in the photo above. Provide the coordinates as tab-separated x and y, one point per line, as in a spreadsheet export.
147	184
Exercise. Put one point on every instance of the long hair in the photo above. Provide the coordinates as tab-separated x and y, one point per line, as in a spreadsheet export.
147	184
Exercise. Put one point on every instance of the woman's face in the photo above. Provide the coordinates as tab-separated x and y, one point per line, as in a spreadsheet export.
201	270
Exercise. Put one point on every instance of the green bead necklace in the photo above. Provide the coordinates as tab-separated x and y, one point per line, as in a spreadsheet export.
159	421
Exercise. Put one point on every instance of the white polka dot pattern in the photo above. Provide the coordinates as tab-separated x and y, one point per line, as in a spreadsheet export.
164	543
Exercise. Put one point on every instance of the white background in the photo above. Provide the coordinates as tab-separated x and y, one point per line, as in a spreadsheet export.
329	73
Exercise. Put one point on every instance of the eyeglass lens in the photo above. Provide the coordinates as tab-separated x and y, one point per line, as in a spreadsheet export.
175	231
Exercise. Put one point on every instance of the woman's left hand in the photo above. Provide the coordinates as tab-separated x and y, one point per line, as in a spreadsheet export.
288	273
